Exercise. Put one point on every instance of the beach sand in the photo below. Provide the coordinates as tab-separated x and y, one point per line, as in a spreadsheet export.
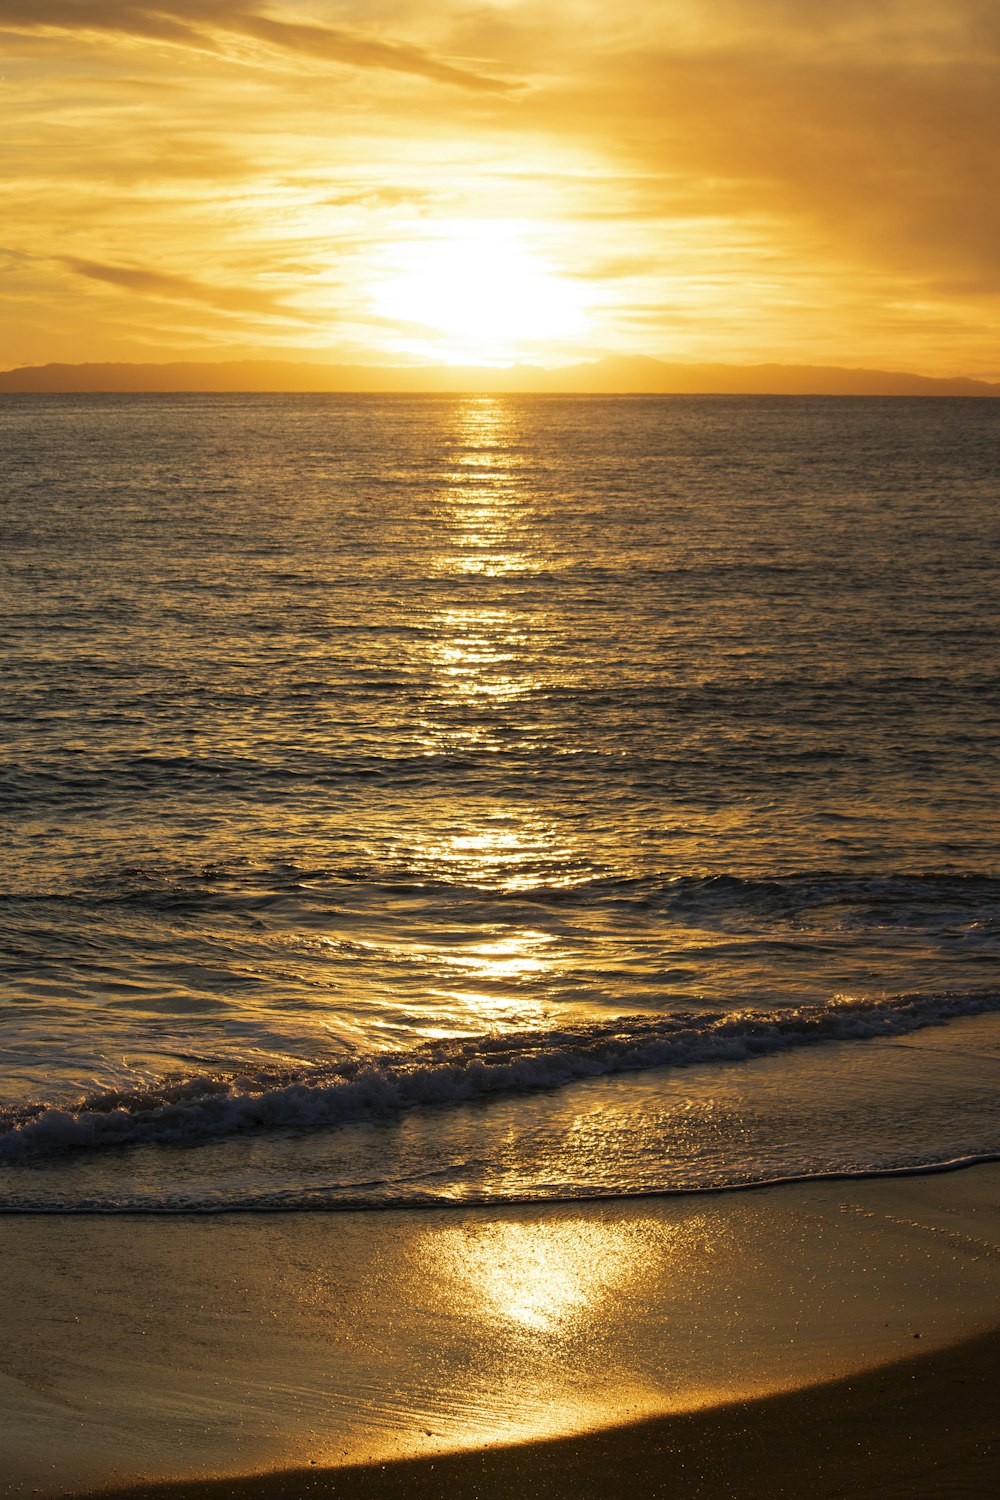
927	1428
682	1346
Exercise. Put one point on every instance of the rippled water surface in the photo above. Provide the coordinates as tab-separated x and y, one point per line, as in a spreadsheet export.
368	760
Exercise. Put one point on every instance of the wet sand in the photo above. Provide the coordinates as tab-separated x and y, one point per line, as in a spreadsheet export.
927	1428
670	1344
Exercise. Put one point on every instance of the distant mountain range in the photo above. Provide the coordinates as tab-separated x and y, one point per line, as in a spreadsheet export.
626	375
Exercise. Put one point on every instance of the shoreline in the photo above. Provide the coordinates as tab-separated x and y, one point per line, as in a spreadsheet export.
926	1426
458	1206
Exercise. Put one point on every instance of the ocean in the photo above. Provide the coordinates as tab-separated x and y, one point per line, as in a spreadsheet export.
423	800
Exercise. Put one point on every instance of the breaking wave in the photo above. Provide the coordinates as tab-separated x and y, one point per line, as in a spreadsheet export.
188	1111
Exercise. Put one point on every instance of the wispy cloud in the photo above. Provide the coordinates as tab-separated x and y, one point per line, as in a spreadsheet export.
174	288
201	25
14	260
164	22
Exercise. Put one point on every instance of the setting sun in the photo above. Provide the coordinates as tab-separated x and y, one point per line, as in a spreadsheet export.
478	291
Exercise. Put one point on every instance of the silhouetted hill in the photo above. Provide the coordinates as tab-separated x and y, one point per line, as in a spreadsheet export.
612	375
655	376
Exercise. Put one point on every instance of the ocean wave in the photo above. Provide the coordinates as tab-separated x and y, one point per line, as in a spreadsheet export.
203	1107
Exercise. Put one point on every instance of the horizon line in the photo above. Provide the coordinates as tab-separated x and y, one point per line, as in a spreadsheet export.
602	375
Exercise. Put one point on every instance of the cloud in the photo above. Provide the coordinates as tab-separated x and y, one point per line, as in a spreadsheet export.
14	260
148	283
116	16
200	24
866	159
336	45
379	196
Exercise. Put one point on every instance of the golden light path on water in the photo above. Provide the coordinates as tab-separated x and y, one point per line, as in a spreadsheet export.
479	656
474	650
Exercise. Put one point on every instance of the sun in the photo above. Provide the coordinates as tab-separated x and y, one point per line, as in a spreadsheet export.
478	291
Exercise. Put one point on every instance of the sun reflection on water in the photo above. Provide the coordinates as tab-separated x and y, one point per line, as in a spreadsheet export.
486	519
467	959
472	648
509	850
511	957
493	975
481	653
489	960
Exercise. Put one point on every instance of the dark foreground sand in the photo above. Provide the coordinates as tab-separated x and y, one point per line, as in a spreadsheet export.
924	1427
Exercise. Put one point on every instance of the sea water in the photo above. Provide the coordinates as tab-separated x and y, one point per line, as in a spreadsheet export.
419	800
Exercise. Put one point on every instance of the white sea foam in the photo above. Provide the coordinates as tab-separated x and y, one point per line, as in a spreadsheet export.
204	1107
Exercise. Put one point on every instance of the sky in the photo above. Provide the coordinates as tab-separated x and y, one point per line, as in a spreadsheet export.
803	181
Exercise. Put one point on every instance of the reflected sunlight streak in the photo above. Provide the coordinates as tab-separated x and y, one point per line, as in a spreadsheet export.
545	1276
481	658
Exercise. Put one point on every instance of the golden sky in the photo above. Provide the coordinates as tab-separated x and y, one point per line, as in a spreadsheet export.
748	180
